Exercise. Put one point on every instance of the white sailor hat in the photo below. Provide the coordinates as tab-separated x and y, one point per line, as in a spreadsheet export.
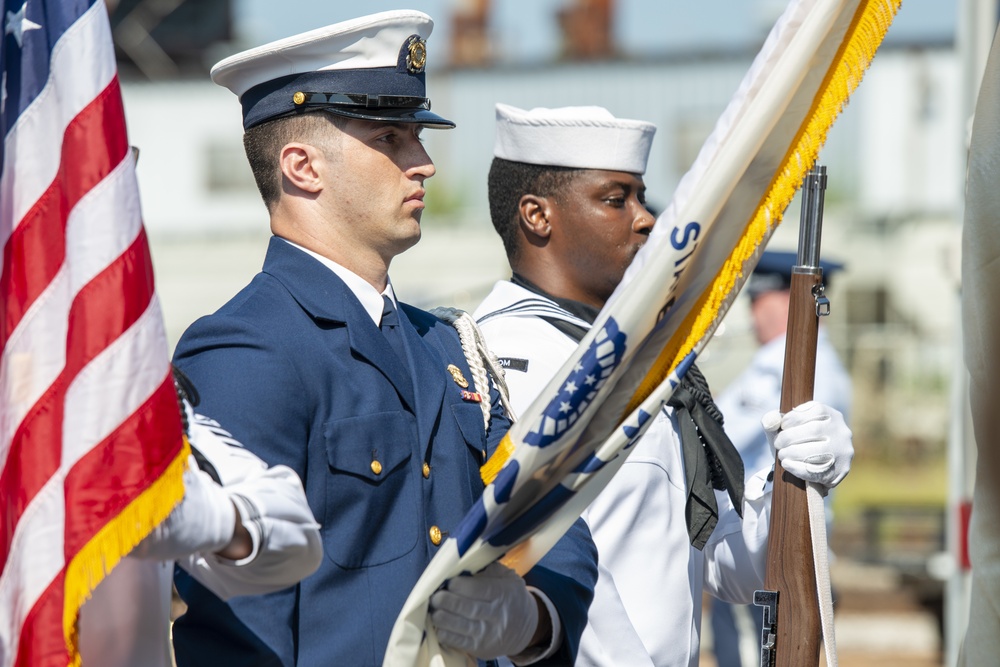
578	137
370	68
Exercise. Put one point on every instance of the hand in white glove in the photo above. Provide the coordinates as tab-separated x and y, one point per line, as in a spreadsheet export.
487	615
812	442
203	522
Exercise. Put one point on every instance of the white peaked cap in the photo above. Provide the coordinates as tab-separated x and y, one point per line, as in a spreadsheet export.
370	67
577	137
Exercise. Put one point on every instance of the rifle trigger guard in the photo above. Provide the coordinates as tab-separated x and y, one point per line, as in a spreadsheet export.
769	601
822	302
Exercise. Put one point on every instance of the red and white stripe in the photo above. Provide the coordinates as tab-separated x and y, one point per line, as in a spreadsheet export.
89	415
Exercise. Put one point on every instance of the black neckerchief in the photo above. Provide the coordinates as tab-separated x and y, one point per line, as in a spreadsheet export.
586	313
711	460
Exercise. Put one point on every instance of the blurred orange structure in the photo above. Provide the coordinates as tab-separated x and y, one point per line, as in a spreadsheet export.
587	29
585	25
470	39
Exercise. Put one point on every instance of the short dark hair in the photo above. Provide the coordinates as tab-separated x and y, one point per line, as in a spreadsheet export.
263	144
508	181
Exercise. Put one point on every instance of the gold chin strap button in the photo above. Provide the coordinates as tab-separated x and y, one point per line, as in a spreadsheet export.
298	98
376	467
427	469
436	535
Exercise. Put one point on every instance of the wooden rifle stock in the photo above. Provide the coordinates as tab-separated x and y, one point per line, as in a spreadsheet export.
790	564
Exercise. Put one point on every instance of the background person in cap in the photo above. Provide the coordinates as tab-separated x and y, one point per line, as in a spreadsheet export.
756	391
567	197
316	365
758	388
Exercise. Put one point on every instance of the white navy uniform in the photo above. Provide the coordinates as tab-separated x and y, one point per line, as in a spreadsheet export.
647	604
127	621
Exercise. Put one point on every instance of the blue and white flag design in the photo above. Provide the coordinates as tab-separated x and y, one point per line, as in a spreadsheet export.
580	387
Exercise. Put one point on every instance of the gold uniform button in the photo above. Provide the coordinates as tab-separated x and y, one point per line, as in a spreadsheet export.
376	467
427	470
435	535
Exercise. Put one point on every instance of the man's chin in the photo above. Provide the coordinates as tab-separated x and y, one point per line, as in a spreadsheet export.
407	241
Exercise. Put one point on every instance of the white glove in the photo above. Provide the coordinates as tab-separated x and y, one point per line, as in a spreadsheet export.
812	442
203	522
487	615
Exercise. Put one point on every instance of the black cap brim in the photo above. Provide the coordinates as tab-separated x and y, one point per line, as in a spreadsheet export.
399	115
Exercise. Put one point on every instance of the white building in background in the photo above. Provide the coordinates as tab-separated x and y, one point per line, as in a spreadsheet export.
894	158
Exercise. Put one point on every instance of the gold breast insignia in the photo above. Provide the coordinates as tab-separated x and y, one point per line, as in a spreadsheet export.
456	375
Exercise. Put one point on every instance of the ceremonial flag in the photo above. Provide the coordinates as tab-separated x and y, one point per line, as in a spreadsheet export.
573	438
981	331
91	445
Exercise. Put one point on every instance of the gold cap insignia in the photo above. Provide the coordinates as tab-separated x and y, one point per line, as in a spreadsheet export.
416	55
456	375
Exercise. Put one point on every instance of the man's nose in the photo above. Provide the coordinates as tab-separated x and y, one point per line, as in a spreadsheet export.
644	220
422	163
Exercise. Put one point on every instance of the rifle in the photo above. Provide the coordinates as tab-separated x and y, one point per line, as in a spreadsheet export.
791	635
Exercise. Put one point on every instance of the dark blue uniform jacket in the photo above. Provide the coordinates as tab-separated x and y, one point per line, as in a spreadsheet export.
297	370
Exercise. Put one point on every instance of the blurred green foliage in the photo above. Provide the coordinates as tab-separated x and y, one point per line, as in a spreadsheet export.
874	482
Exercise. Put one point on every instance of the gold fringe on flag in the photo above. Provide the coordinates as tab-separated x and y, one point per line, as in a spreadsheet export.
489	470
867	30
115	540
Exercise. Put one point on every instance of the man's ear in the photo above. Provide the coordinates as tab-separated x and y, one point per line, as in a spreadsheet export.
535	215
298	164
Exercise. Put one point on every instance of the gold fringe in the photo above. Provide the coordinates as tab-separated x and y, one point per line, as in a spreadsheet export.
866	32
489	470
115	540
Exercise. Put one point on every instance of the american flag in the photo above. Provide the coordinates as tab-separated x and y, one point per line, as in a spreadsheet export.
91	445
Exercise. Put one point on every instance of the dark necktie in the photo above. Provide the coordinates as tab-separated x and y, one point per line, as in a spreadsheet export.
390	329
711	461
